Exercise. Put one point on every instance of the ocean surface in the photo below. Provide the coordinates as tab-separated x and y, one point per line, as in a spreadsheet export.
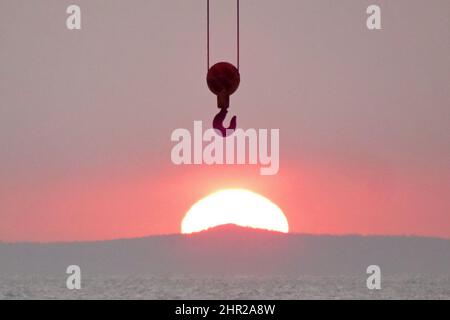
223	288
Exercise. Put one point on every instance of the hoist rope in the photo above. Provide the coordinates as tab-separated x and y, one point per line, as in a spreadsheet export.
208	34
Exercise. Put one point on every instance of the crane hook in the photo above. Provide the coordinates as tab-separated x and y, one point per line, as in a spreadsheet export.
223	80
218	123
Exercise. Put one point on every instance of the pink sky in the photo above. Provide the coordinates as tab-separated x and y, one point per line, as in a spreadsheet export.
86	117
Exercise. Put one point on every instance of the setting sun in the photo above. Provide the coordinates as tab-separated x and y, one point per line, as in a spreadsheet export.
234	206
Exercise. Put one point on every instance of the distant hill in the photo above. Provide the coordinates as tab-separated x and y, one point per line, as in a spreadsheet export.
233	250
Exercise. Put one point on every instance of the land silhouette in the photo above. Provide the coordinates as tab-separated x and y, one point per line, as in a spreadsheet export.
230	249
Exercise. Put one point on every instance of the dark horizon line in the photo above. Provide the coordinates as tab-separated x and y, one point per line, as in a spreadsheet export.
218	229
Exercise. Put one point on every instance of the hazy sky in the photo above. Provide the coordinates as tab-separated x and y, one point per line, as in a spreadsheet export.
86	116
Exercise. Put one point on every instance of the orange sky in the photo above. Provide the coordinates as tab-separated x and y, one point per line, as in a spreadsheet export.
316	198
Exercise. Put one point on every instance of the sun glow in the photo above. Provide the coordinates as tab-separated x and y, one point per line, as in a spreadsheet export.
234	206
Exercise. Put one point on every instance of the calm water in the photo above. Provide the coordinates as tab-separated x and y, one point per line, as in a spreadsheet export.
244	287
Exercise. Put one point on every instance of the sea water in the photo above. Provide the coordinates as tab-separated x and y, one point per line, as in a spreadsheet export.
227	287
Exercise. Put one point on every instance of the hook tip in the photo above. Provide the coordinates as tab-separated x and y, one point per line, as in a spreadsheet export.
218	124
